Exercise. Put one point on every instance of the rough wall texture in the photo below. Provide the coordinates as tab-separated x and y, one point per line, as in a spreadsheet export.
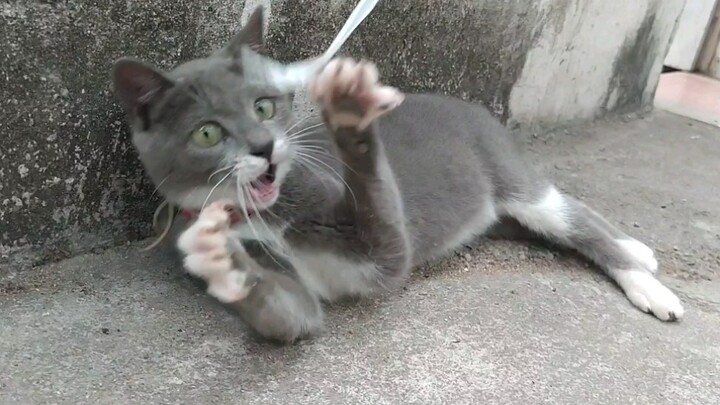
472	49
69	179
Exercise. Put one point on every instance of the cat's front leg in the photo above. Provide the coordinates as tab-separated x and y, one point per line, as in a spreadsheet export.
352	100
275	305
209	255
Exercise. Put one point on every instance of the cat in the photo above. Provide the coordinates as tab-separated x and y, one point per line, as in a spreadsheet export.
346	204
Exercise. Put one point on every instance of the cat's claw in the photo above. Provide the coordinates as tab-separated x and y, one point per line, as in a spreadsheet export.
351	94
208	254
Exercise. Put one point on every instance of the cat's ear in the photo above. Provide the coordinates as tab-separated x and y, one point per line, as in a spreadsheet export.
137	84
250	35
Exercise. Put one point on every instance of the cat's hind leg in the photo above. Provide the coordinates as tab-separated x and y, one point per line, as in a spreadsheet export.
275	305
569	222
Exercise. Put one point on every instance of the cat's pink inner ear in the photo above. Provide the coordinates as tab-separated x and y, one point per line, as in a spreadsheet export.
136	84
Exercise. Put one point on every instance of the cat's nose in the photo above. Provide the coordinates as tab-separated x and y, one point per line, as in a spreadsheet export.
264	151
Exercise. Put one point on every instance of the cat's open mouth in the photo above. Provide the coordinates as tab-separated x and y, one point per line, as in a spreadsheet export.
263	190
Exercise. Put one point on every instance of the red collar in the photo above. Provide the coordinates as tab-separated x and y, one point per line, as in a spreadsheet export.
191	215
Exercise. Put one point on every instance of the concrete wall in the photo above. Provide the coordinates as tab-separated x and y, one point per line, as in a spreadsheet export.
69	180
533	63
692	29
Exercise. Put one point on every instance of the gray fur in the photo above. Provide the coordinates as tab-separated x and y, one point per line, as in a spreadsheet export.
437	172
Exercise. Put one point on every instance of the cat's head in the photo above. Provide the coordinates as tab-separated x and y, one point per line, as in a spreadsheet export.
212	128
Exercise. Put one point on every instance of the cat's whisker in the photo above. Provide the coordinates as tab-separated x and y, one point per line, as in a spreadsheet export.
285	204
303	136
352	194
258	215
212	190
288	225
319	124
269	211
244	207
306	131
313	169
166	229
323	152
300	140
242	194
300	121
218	171
160	185
244	197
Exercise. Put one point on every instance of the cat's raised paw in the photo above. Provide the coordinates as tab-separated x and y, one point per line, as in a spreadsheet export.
351	94
208	254
209	233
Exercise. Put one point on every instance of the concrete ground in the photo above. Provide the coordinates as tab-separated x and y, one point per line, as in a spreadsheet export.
504	322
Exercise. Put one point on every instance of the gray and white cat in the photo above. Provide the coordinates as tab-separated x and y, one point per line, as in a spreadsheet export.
350	203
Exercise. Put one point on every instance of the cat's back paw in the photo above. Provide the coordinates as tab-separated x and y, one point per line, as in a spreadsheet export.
649	295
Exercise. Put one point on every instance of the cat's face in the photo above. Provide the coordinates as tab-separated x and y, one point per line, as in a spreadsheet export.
212	128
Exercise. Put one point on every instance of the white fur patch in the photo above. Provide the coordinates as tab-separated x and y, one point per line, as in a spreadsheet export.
547	216
204	244
281	151
330	276
648	294
229	288
248	168
643	254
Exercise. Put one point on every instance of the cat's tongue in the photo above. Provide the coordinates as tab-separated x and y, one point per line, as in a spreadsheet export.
263	189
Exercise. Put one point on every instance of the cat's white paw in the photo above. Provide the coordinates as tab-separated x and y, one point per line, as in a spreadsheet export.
208	256
649	295
205	242
351	94
641	252
233	287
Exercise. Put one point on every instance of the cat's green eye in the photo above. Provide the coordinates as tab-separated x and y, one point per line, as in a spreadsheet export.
265	108
207	135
